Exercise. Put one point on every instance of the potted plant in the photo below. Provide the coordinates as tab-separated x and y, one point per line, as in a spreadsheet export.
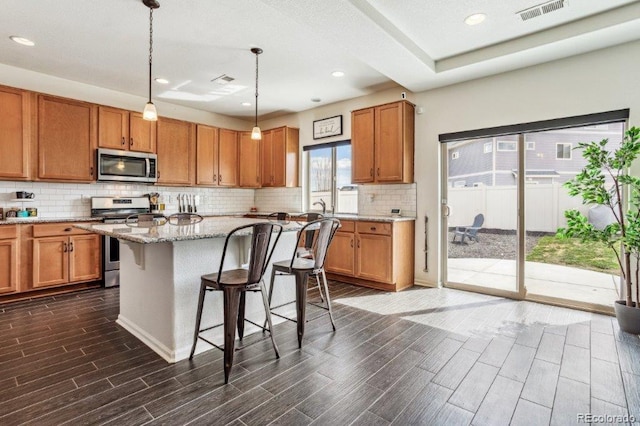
605	181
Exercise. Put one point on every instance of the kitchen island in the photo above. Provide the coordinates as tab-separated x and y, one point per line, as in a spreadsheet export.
160	270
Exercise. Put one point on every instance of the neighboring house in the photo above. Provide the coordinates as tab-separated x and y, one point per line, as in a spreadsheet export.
550	156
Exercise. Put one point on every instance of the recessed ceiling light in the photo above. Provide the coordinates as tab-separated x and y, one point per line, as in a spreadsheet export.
475	19
23	41
246	104
162	81
338	74
316	100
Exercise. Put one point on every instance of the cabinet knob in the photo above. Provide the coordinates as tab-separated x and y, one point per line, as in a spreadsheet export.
378	171
131	142
371	172
123	142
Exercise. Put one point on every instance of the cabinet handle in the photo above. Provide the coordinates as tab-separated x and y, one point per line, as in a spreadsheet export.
158	174
257	178
378	171
123	142
68	229
371	172
64	247
131	142
351	241
91	171
70	246
358	242
220	178
215	178
373	228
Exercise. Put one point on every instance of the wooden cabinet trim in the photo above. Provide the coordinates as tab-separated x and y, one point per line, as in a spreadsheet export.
8	232
56	229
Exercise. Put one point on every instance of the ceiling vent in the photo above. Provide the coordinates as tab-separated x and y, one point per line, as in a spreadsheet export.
222	79
542	9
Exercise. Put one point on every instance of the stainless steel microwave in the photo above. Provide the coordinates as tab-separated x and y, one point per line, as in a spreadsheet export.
126	166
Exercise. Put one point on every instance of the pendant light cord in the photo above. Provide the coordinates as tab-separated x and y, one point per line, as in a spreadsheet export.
150	47
257	53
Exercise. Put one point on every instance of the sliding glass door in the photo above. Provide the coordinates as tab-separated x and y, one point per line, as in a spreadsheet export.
491	248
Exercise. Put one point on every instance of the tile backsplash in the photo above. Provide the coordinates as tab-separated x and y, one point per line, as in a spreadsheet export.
73	200
66	200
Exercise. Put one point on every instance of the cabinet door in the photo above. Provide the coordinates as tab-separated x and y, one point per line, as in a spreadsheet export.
174	152
206	155
50	261
389	143
66	139
362	145
340	257
142	133
249	158
15	133
8	266
374	257
84	258
266	158
278	157
113	128
228	158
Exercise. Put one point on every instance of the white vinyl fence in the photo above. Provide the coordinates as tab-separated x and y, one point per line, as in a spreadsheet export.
545	205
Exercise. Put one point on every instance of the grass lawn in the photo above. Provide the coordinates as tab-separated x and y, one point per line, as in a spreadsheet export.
573	252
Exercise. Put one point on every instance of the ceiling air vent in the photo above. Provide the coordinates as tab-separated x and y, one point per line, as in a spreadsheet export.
222	79
542	9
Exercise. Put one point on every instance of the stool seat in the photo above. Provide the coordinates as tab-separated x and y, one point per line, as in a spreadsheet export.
233	277
299	263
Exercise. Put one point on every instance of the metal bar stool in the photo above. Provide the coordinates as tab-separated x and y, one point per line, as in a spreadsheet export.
280	217
303	267
234	283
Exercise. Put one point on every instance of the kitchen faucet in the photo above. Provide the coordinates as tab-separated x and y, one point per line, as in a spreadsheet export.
323	204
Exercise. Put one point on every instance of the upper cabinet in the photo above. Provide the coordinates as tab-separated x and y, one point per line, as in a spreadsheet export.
382	141
280	157
176	153
125	130
15	133
66	139
249	154
216	156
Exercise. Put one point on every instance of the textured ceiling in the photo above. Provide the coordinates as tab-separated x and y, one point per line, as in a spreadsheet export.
417	44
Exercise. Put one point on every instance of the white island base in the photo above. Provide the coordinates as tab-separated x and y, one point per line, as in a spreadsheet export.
160	282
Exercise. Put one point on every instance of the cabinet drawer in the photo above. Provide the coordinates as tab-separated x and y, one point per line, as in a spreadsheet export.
8	231
377	228
55	229
347	226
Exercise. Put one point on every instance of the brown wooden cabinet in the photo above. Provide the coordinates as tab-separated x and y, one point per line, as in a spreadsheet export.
64	255
9	260
66	139
382	143
125	130
249	160
279	156
15	133
216	156
373	254
176	152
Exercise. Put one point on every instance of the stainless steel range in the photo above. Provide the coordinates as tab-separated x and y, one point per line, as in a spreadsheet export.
115	210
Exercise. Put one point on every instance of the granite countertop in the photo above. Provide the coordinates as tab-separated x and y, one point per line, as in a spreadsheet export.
208	228
29	221
345	216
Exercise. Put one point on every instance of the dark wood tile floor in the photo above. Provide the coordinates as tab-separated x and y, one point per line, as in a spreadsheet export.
63	360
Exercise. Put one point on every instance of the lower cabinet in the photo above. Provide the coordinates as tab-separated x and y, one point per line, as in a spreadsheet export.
9	260
373	254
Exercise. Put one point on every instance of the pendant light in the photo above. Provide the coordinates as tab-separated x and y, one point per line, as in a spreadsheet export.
150	112
256	134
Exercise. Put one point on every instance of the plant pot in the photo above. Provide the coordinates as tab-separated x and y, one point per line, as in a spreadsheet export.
628	317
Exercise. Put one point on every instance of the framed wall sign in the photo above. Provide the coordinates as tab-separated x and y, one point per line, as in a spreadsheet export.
327	127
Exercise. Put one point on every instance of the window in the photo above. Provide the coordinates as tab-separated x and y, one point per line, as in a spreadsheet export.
531	146
455	155
488	147
507	146
329	178
563	151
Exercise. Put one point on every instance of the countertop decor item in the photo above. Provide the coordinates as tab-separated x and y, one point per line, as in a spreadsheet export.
327	127
150	112
605	180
